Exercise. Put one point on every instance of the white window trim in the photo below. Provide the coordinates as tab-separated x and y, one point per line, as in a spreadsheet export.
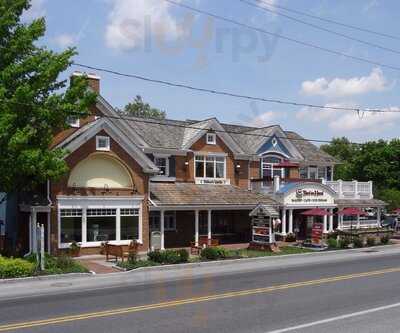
166	157
215	166
93	203
74	122
214	139
272	166
100	137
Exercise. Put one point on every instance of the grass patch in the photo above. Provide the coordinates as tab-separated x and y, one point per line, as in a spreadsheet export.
285	250
129	265
62	264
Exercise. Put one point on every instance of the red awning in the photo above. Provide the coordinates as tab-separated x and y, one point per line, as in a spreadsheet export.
397	211
352	211
316	212
286	164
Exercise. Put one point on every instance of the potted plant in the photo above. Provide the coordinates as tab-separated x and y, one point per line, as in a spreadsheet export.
74	249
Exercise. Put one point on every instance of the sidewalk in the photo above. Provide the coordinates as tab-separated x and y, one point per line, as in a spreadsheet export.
84	282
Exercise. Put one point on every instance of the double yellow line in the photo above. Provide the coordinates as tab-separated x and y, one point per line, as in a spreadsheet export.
163	305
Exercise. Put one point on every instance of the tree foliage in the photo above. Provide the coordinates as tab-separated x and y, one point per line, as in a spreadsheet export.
34	102
138	108
378	161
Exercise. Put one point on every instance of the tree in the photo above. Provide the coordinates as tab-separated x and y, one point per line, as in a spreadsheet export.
140	109
34	102
344	151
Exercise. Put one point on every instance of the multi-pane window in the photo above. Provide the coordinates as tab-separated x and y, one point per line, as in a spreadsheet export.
209	166
129	224
71	225
102	143
101	225
211	139
169	221
269	168
322	172
303	172
162	164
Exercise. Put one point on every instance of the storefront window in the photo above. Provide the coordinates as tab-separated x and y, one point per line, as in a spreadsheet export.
210	167
313	172
101	225
303	171
71	225
129	224
321	172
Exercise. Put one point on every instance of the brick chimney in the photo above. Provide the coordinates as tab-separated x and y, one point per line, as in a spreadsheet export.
93	80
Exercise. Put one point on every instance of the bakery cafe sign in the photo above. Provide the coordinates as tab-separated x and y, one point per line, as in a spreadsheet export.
309	196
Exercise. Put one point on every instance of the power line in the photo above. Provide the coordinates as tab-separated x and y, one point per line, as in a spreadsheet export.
191	126
231	94
293	40
158	122
377	33
317	26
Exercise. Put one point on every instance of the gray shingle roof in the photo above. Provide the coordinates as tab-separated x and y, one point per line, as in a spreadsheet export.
176	135
310	152
190	194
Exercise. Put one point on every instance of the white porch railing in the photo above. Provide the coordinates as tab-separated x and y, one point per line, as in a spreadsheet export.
346	225
351	189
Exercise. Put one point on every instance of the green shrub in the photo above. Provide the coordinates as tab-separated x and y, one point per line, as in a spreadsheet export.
344	243
169	256
184	255
357	242
332	243
290	238
370	241
385	239
62	264
214	253
15	268
155	256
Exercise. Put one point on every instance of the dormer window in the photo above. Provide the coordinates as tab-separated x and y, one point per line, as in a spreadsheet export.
162	163
73	122
211	139
102	143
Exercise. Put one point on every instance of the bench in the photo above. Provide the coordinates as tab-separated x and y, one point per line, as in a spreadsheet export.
117	251
203	242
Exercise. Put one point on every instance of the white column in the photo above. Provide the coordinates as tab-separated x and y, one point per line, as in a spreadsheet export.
358	221
84	225
196	227
331	220
162	230
209	225
340	222
118	225
34	231
290	221
378	216
284	222
325	224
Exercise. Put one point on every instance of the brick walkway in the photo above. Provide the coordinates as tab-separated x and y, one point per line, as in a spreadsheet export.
97	266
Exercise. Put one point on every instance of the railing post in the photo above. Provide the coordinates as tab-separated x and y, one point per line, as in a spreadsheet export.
356	194
340	188
371	193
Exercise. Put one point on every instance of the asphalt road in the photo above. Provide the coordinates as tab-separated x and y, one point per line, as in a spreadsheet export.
362	295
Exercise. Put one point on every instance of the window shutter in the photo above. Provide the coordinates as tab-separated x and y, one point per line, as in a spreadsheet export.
172	164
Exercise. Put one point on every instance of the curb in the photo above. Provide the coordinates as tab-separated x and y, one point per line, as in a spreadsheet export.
242	260
45	277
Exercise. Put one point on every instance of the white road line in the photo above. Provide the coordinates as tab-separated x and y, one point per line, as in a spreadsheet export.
329	320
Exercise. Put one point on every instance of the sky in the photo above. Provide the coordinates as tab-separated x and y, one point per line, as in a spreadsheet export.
156	39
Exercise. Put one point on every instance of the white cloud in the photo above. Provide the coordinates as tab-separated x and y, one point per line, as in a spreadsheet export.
65	40
263	119
338	87
370	5
35	11
368	121
344	121
131	21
